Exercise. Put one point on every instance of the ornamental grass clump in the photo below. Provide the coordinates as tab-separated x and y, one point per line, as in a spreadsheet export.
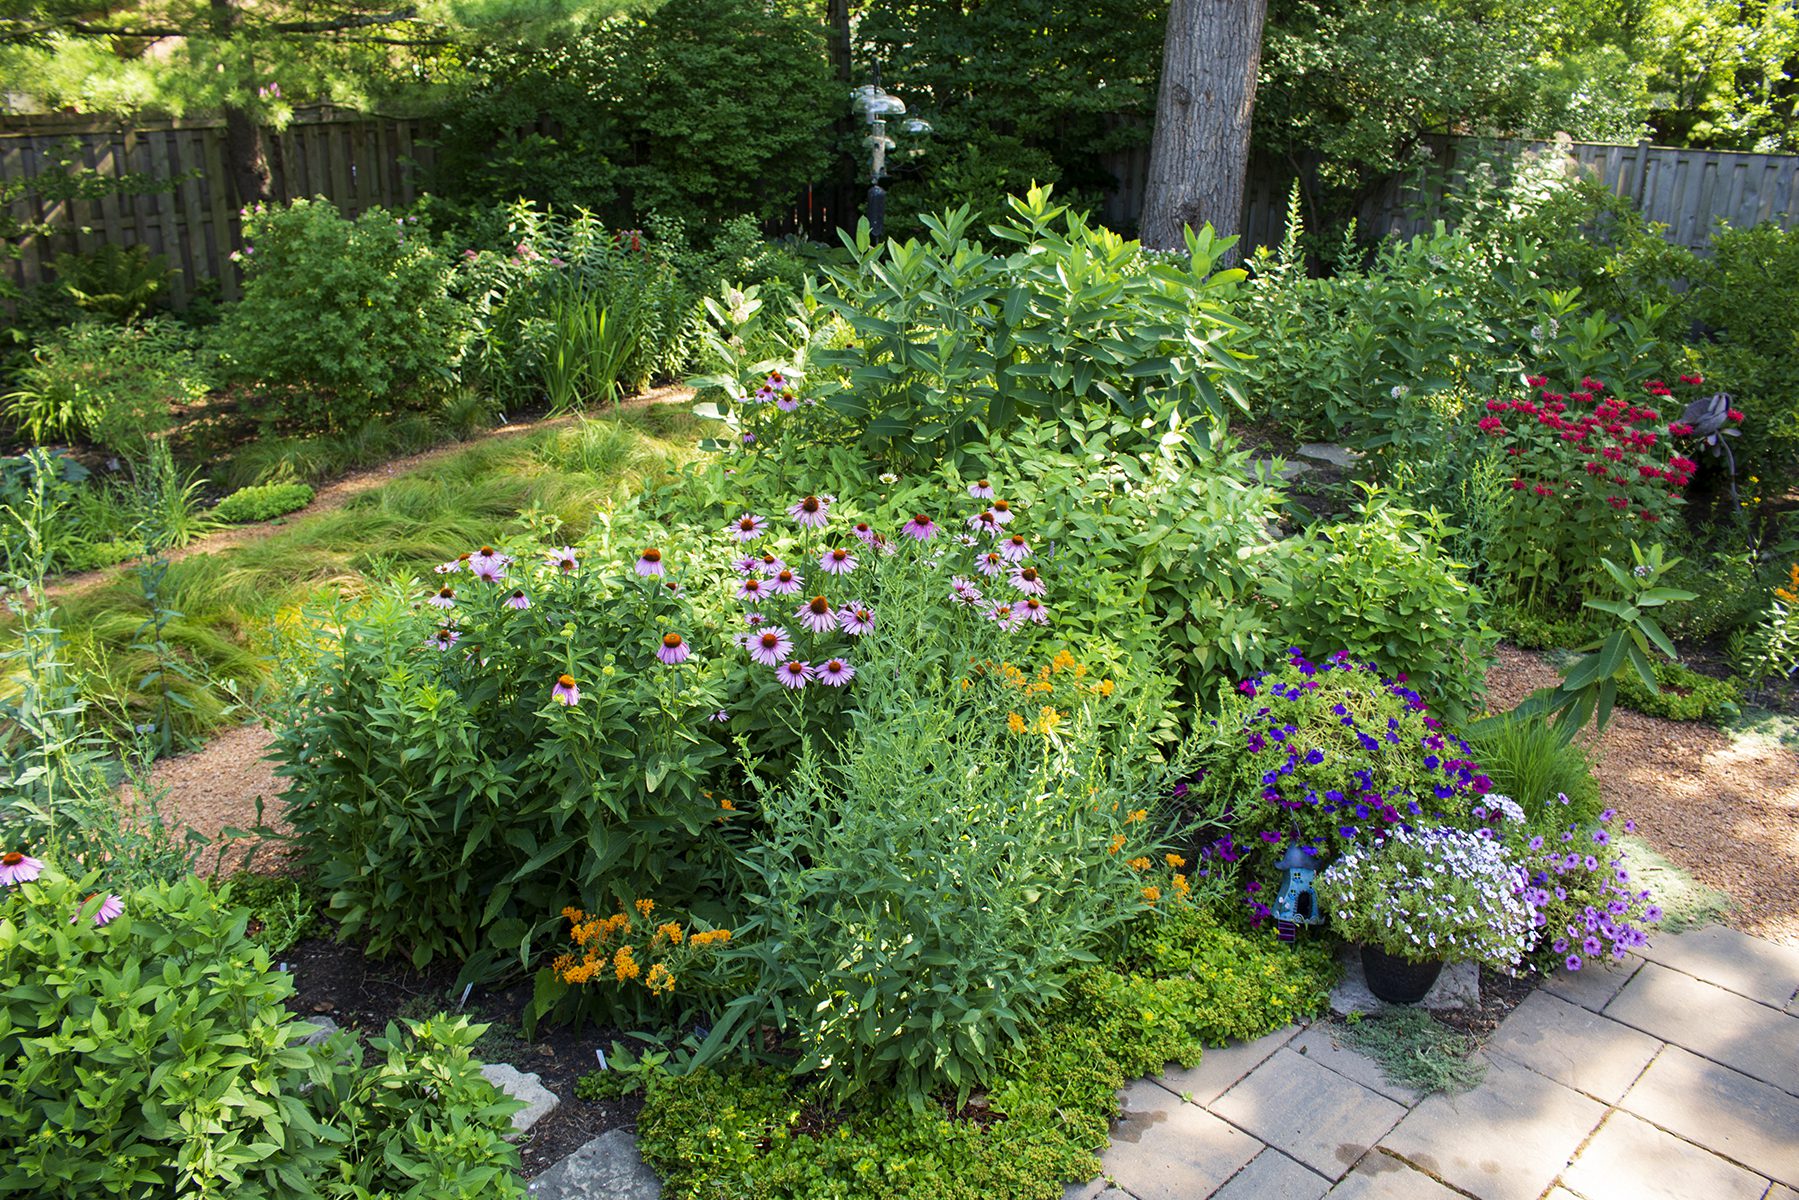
1325	756
1440	894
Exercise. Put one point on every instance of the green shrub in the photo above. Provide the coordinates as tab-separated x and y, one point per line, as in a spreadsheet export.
916	349
1743	294
746	1133
1382	588
862	929
110	386
1684	695
376	326
155	1055
1534	763
262	503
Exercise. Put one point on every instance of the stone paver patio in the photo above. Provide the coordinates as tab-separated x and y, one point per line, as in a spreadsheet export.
1672	1077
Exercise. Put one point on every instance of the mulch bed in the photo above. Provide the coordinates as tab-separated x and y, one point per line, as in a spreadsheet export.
333	979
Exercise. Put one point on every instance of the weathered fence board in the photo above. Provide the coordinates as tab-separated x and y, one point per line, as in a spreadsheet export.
356	161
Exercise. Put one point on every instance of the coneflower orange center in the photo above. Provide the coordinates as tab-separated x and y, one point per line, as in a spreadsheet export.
671	640
771	640
567	681
487	551
839	555
1029	574
12	858
652	555
810	504
820	605
1001	506
446	592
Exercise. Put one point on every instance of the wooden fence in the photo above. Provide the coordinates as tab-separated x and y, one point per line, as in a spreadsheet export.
358	161
1689	191
190	214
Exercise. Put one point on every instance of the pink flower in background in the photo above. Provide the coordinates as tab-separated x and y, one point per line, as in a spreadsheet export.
488	563
747	528
444	638
856	619
990	563
770	646
563	559
811	512
749	564
110	909
16	868
794	674
965	590
752	590
987	523
786	582
770	563
865	534
565	692
980	489
816	615
649	562
836	562
518	600
1034	610
1014	548
1006	616
445	597
920	528
673	649
1002	512
449	568
833	672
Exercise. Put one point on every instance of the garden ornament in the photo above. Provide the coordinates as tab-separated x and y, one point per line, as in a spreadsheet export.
1709	417
1295	903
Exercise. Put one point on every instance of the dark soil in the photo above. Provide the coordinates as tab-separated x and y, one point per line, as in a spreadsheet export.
334	979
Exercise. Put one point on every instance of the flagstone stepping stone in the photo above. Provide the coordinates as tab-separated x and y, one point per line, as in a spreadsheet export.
1327	452
1736	962
1752	1038
607	1168
1309	1112
1730	1114
539	1100
1630	1159
1166	1149
1574	1047
1271	1175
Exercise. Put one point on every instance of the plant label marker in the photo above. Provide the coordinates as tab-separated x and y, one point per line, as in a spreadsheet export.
601	1055
466	989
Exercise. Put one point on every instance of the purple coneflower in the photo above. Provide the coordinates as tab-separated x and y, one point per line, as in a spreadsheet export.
488	563
785	582
1015	547
810	512
864	533
747	528
18	868
965	590
837	561
794	674
769	563
990	563
565	691
1002	512
110	908
856	619
1034	610
785	402
673	649
980	489
563	559
445	597
834	672
449	568
770	646
721	716
1006	616
444	638
920	528
751	590
985	522
518	600
749	564
753	619
1026	580
816	615
649	562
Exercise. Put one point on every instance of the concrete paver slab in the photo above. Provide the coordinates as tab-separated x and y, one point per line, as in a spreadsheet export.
1223	1066
1309	1112
1271	1175
1749	966
1717	1024
1323	1044
1574	1047
1630	1159
1594	985
1380	1177
1166	1149
1725	1111
1507	1139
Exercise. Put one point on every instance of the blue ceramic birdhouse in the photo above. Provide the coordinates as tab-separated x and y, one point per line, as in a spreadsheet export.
1295	903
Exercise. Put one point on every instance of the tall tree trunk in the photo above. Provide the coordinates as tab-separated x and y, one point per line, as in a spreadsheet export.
837	19
1199	153
244	156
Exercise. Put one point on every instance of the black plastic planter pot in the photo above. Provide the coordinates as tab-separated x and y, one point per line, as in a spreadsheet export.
1397	980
